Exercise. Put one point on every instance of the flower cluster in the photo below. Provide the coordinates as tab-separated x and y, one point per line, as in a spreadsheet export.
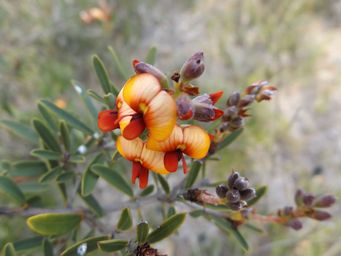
307	205
236	191
147	113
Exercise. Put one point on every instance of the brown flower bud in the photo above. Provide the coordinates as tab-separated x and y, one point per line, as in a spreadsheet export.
237	206
233	100
247	194
308	199
142	67
230	113
233	196
288	210
320	215
184	107
221	190
192	68
241	184
232	178
246	100
324	201
295	224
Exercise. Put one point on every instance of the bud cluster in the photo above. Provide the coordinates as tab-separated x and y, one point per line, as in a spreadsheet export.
146	250
236	191
307	205
237	104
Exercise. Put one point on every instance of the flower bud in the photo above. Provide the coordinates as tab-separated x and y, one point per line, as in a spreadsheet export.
320	215
232	178
295	224
230	113
237	206
192	68
233	196
184	107
221	190
246	100
324	201
247	194
233	100
288	210
241	184
142	67
308	199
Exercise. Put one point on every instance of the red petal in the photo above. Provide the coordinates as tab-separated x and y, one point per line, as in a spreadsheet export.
217	113
184	165
216	96
171	160
144	177
107	120
134	128
136	171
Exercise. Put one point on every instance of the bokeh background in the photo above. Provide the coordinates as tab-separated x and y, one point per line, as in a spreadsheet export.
292	142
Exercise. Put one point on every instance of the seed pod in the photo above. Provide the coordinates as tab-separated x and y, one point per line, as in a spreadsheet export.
192	68
233	100
241	184
308	199
248	194
324	201
232	178
233	196
295	224
221	190
320	215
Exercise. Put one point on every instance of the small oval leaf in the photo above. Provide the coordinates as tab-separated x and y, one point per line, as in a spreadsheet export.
147	191
113	178
51	175
65	134
112	245
164	183
142	232
47	224
46	154
168	227
118	63
46	135
89	178
125	222
8	187
9	250
229	139
28	168
193	174
102	75
21	130
93	204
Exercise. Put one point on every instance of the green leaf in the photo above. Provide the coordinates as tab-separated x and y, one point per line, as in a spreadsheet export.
28	243
86	99
102	75
142	232
125	222
33	187
164	183
51	175
253	228
77	159
65	176
147	191
260	192
70	119
226	226
193	174
48	248
48	117
47	224
168	227
171	211
8	187
121	70
229	139
95	96
65	135
112	245
23	131
151	55
28	168
93	204
46	135
91	245
8	250
89	178
113	178
110	100
197	213
46	154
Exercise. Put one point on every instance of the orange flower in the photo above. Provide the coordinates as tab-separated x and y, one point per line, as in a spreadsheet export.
107	120
143	104
190	140
142	158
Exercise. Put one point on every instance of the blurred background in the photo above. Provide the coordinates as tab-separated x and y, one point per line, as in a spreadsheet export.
291	142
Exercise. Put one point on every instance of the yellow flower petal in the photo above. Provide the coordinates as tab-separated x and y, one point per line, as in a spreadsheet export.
160	116
153	160
129	149
197	142
169	144
139	90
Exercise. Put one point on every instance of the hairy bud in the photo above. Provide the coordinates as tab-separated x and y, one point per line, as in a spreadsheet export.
241	183
221	190
247	194
232	178
308	199
142	67
320	215
233	196
324	201
295	224
192	68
